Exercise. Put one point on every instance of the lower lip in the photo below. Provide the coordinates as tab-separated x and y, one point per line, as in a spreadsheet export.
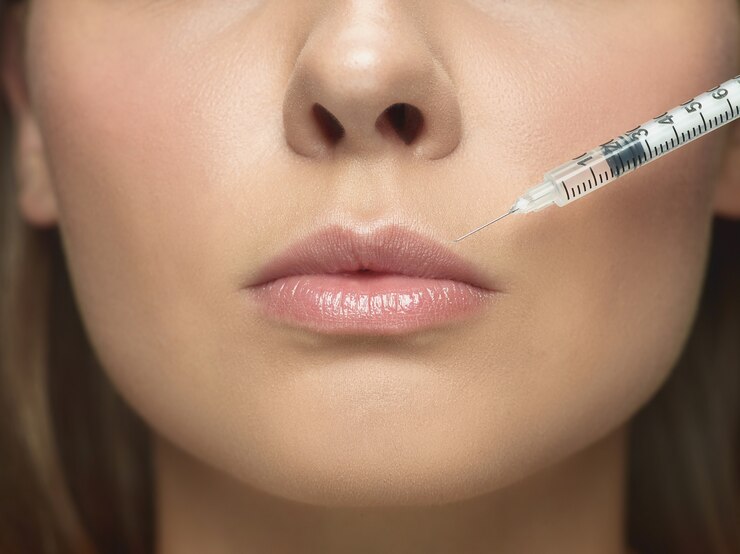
368	303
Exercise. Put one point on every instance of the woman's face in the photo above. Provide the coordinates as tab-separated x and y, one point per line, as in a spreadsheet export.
182	156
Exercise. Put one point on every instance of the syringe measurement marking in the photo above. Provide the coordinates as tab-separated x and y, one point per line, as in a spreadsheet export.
685	137
631	144
591	184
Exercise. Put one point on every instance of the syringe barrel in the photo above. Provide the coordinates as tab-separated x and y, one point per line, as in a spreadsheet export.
647	142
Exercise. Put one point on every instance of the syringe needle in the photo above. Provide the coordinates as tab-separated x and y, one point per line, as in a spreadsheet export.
511	211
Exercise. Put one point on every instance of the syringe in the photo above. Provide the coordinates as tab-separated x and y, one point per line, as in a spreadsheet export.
647	142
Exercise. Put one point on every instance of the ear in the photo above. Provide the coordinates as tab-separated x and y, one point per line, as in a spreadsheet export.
727	195
36	198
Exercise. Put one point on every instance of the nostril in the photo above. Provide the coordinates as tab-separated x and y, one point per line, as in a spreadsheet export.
405	119
329	125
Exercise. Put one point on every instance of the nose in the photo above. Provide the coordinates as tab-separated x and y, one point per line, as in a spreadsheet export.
367	83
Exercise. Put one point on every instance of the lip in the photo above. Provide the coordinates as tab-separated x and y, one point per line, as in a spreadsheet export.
390	281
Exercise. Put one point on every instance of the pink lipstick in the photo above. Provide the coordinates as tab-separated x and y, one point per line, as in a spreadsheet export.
387	282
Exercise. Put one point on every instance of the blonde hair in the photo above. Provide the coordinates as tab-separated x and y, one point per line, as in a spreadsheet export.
76	474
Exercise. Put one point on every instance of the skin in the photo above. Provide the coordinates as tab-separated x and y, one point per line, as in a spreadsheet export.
171	142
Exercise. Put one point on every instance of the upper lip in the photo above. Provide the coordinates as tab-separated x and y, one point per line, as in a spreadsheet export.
389	249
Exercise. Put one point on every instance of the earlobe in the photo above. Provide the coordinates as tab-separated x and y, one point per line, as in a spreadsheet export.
727	195
36	198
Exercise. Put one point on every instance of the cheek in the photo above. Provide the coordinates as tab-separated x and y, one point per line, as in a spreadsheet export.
152	198
611	283
605	288
636	250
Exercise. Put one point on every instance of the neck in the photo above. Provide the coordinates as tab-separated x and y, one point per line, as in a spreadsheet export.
574	506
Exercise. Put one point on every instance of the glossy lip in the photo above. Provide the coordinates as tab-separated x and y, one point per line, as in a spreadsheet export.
415	282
